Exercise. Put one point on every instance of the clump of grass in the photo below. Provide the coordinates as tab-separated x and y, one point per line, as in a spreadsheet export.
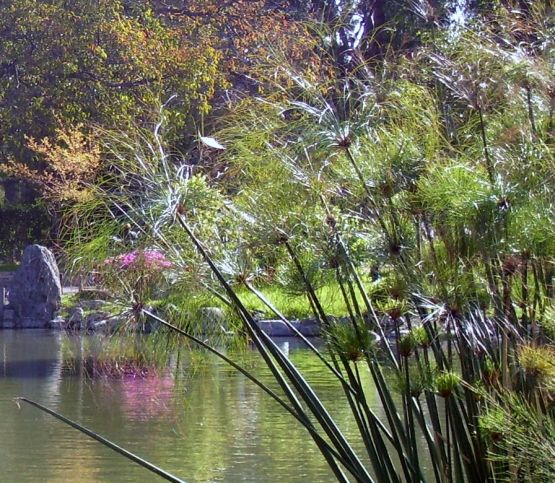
446	383
354	342
521	439
537	361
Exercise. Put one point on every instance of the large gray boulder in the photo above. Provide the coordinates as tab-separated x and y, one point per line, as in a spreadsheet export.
35	292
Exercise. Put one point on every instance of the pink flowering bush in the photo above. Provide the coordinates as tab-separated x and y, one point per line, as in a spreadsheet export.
141	270
148	259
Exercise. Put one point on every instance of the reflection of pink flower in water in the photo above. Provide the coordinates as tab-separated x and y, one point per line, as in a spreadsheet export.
151	259
147	397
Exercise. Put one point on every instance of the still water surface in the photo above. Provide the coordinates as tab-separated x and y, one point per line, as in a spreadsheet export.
207	423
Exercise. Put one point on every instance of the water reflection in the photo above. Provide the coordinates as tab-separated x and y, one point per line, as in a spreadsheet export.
143	398
201	421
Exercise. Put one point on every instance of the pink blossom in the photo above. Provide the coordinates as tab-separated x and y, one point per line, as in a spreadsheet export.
147	397
149	258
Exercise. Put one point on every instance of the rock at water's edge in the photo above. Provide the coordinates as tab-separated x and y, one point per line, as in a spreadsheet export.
36	291
77	319
278	328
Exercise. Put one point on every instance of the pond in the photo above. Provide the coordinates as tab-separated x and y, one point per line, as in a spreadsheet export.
205	422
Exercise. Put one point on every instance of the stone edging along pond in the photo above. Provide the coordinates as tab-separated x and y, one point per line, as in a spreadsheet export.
93	316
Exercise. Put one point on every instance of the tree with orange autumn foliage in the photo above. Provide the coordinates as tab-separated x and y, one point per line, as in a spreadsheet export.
66	165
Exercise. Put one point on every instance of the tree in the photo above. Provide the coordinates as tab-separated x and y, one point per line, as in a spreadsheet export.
244	31
68	164
95	62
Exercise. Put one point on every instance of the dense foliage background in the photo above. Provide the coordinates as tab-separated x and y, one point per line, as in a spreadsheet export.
398	156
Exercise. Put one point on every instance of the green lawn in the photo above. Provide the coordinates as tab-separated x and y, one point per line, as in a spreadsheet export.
295	306
8	267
